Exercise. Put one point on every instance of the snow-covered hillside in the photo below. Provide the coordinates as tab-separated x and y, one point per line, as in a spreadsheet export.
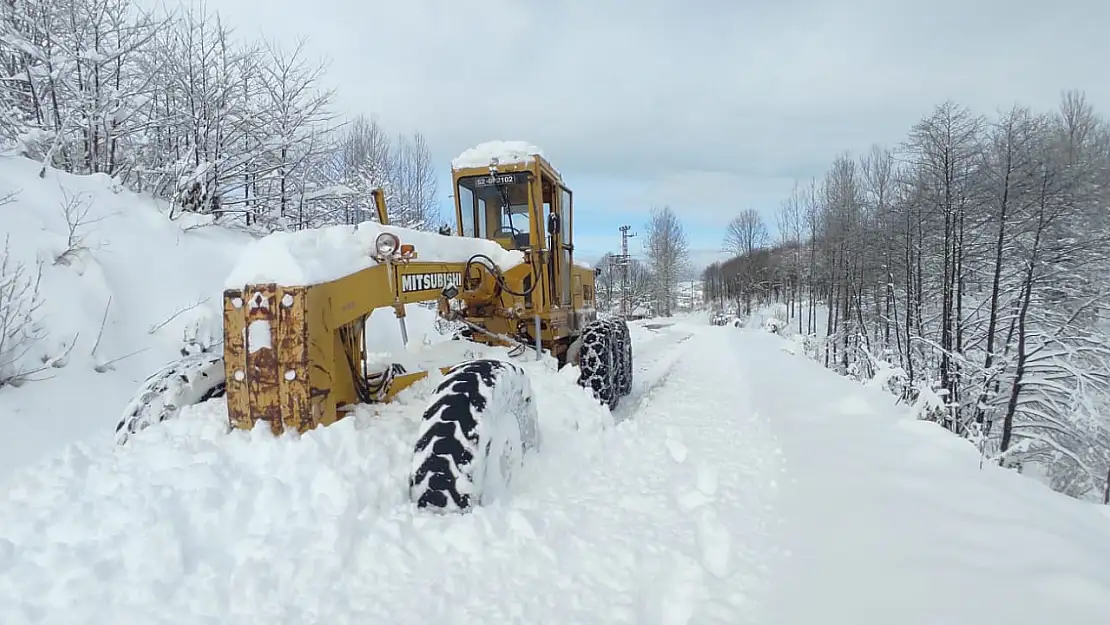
121	286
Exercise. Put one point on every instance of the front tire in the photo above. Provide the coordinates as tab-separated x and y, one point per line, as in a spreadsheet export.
481	423
193	379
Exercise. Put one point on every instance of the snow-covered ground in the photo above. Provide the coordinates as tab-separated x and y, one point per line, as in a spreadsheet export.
739	483
744	485
892	520
129	268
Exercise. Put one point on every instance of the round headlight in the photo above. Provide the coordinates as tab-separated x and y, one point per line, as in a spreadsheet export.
387	243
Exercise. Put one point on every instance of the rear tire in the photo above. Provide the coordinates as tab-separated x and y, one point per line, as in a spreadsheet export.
598	363
624	350
475	434
194	379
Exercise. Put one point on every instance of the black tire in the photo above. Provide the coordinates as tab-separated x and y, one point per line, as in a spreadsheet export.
624	339
597	362
474	435
194	379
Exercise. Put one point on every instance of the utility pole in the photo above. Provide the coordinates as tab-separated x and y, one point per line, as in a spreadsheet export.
610	280
624	262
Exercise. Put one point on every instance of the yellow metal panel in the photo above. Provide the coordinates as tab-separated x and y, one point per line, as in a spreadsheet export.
354	296
321	354
262	366
291	340
235	362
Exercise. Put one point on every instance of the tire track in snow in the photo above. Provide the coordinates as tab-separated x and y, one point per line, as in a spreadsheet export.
730	491
678	501
653	361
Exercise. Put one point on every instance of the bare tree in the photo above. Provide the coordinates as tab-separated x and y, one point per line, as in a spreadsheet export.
20	332
414	182
973	260
746	233
668	255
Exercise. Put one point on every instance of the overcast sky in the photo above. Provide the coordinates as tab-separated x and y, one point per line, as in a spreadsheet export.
710	106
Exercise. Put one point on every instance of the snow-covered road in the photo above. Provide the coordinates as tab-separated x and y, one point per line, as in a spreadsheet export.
659	518
737	484
891	520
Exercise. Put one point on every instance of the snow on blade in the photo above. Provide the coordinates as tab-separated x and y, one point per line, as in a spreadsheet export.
506	152
318	255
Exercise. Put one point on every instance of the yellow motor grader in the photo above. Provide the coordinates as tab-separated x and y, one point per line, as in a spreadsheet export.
294	356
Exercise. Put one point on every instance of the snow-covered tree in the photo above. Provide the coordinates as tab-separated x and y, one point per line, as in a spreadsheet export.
175	105
972	258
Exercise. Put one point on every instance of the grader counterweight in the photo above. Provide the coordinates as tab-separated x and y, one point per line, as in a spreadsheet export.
294	352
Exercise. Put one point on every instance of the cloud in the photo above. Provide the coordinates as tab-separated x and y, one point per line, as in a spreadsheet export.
710	106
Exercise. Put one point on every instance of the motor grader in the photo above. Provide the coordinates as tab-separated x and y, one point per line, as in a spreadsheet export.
294	356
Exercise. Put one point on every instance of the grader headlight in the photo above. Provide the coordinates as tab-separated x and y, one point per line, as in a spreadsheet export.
386	244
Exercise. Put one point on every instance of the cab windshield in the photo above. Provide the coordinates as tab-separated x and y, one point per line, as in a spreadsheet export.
496	207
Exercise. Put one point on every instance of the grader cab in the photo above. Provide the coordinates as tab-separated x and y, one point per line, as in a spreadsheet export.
294	352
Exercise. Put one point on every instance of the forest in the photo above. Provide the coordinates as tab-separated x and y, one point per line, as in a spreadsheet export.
966	269
174	104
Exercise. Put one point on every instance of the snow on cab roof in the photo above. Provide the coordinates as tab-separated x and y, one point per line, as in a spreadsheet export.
318	255
506	152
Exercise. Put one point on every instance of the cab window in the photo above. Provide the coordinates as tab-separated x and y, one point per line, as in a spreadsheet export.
498	206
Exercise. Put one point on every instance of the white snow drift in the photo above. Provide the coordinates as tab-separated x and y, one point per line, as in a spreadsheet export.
121	286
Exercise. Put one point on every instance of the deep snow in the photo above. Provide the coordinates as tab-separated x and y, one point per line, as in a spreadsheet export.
738	483
607	525
889	519
151	280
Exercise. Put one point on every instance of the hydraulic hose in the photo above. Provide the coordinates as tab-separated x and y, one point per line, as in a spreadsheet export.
495	271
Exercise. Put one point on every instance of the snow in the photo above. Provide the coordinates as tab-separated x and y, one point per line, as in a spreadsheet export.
191	525
734	480
891	519
259	335
739	483
506	152
307	257
152	281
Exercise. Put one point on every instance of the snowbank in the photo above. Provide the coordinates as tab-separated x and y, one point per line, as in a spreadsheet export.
189	524
322	254
121	286
893	520
506	152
